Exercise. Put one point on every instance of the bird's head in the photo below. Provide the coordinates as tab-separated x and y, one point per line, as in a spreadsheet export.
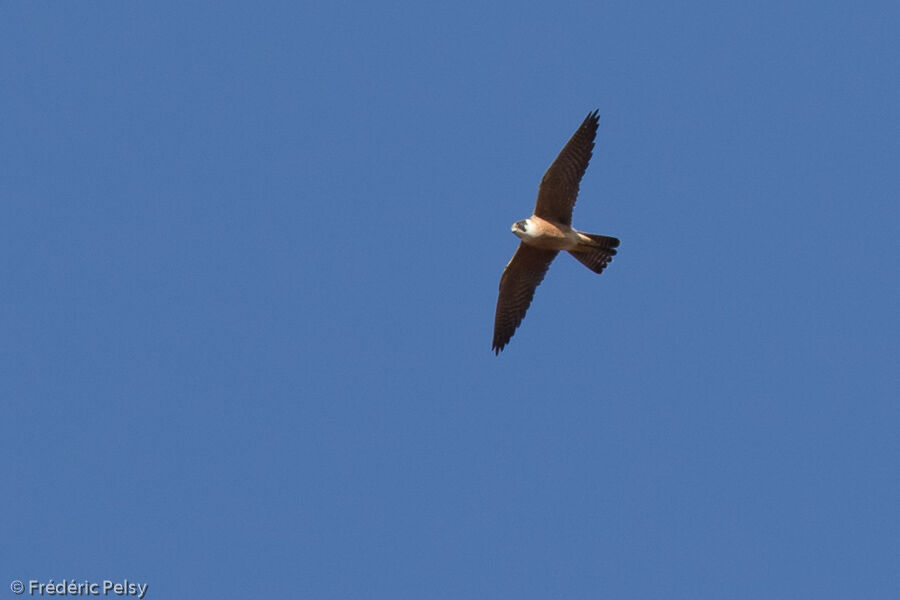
520	228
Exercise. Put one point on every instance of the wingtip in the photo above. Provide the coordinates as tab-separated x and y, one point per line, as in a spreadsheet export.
592	121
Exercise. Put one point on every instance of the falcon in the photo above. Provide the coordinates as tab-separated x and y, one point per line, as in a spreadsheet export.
548	231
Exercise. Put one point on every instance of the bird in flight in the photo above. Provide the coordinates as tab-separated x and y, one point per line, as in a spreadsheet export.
548	231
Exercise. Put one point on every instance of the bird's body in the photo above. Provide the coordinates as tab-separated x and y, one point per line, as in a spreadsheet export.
547	232
548	235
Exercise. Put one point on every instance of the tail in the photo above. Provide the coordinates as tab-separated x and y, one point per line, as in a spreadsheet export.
596	254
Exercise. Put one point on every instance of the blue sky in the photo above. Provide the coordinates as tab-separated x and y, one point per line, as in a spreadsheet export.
250	257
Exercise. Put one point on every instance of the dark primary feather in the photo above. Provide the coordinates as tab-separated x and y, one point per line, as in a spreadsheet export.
520	278
559	187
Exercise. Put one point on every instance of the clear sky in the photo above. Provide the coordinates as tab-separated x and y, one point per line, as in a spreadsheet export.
250	256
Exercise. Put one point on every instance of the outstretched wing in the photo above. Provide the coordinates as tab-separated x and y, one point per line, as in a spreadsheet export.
559	187
520	278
